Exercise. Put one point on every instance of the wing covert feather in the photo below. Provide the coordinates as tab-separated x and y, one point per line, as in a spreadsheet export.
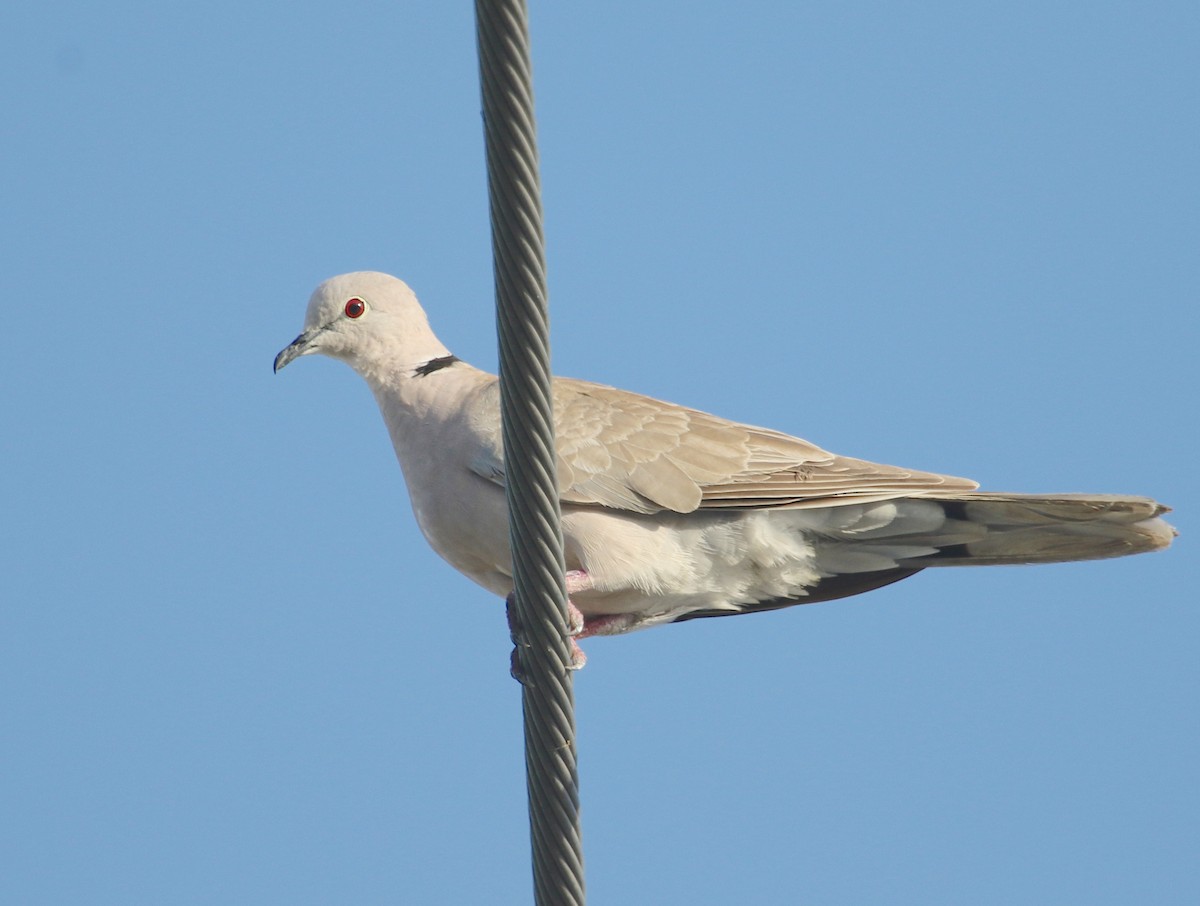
630	452
659	456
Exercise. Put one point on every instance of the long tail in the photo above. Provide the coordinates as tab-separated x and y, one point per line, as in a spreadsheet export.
1034	528
979	528
859	547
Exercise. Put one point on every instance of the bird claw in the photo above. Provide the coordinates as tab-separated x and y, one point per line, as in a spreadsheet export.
514	624
576	626
575	620
578	658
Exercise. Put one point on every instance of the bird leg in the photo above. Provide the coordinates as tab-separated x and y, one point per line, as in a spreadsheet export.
576	580
581	627
607	624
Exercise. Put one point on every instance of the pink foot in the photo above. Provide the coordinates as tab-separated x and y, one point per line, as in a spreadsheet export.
576	621
576	580
607	624
578	658
517	670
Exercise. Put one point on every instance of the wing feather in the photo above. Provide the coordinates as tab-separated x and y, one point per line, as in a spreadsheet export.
630	452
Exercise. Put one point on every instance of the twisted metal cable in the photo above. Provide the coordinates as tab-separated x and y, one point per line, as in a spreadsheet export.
542	656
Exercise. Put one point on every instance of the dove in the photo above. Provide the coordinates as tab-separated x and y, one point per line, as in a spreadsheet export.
670	513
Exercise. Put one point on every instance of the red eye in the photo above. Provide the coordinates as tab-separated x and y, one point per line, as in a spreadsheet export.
355	308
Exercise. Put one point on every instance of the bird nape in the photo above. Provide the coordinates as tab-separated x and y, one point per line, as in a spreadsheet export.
669	513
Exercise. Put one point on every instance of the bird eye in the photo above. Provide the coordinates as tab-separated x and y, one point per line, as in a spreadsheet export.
355	308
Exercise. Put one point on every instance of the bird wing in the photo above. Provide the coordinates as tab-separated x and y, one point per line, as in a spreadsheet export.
630	452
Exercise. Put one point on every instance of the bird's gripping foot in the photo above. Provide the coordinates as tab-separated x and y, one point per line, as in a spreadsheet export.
577	626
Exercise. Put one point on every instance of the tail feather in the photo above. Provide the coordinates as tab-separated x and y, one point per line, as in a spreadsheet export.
857	547
1032	528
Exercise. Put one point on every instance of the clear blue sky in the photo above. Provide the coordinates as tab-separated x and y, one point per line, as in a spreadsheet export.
956	236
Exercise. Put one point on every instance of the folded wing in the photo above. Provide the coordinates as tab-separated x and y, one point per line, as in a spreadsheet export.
630	452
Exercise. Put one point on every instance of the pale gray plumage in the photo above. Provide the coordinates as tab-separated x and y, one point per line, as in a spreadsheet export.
670	513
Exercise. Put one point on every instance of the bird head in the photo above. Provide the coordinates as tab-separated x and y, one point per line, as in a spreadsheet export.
371	321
